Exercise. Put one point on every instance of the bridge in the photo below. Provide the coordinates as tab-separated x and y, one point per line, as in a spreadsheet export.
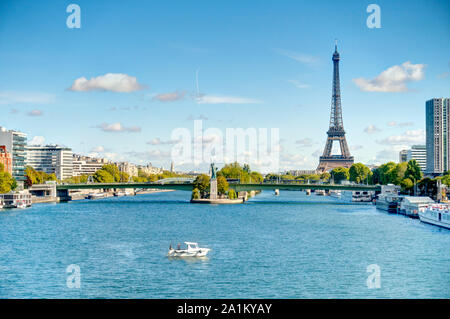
187	185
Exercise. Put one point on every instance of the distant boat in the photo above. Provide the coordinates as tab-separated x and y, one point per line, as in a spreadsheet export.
96	195
122	193
357	196
21	199
320	192
411	205
436	214
192	250
388	202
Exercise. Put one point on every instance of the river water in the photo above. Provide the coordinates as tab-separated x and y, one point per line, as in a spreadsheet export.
287	246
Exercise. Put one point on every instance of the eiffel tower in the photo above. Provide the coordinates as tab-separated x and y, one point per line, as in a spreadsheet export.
336	131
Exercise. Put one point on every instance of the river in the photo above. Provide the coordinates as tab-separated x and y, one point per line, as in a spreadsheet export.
287	246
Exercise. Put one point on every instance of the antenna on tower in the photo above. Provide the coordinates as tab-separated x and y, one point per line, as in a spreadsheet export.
335	44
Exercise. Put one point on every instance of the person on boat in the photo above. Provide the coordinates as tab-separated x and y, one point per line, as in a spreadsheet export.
179	246
170	247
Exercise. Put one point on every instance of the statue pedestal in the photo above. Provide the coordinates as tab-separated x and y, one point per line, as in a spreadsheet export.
213	188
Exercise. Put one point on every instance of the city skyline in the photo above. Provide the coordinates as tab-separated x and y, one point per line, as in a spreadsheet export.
117	89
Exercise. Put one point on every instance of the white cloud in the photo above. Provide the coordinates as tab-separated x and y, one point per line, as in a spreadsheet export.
114	82
217	99
394	124
371	129
394	79
299	84
356	147
170	97
37	140
300	57
304	142
11	97
408	138
98	149
117	127
158	141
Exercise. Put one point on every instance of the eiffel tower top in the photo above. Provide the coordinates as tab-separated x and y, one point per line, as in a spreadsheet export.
336	122
336	53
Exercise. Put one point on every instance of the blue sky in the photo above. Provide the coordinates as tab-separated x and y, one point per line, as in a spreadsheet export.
264	64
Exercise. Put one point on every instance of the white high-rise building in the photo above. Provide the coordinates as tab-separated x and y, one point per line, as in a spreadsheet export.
51	159
15	143
419	153
437	135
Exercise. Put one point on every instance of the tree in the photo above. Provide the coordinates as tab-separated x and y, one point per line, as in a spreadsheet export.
113	170
413	171
407	184
195	194
340	174
375	178
398	173
102	176
232	194
256	177
325	176
201	182
7	183
235	171
359	173
124	177
222	185
387	175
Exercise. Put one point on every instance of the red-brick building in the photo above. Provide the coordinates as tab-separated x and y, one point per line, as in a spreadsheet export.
6	159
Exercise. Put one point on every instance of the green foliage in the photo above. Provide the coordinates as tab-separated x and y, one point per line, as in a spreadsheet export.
428	187
413	171
7	183
387	174
103	176
446	179
359	173
256	177
243	173
407	184
82	179
37	177
398	173
113	170
325	176
340	174
235	171
222	185
202	184
195	194
2	167
232	194
124	177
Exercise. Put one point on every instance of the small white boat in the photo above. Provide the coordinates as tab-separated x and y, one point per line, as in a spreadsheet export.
192	250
